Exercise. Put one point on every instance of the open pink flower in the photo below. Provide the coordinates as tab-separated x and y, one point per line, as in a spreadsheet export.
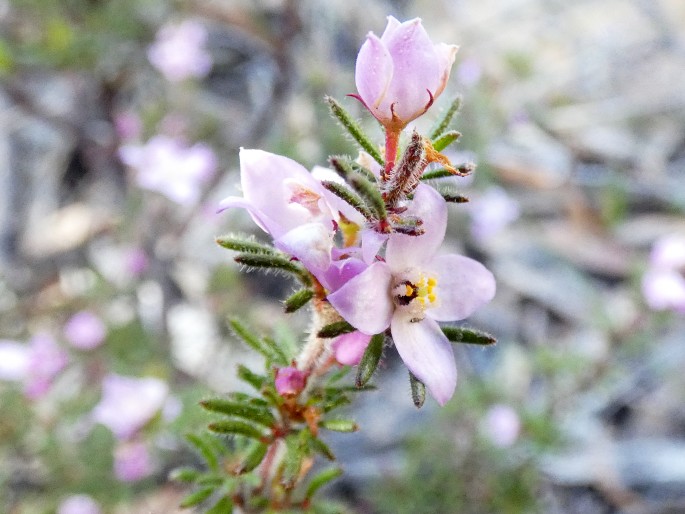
179	51
129	403
85	330
414	289
663	285
46	360
132	461
400	74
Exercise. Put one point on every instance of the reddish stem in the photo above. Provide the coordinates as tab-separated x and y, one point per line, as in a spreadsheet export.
392	140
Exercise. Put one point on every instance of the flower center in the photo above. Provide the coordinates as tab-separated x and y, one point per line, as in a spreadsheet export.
414	295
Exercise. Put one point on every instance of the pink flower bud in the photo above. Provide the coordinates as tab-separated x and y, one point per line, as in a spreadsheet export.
290	381
400	74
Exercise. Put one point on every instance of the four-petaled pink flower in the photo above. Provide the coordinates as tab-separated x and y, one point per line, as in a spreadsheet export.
167	166
414	289
400	74
179	51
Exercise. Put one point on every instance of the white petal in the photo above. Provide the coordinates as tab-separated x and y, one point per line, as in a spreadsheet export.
427	353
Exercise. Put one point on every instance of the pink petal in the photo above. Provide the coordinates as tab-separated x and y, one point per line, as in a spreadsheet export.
371	244
264	222
373	73
446	55
408	251
311	244
427	353
364	301
417	70
463	286
349	348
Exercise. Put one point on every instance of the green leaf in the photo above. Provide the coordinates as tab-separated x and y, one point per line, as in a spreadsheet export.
437	174
366	188
267	347
253	457
348	196
353	128
333	404
184	474
205	449
246	245
444	122
363	171
321	479
453	197
241	410
321	448
235	427
255	380
274	262
468	336
298	299
335	329
418	391
197	497
370	359
223	506
292	462
445	140
339	425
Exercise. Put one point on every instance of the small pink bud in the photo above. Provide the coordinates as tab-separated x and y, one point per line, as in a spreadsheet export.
290	381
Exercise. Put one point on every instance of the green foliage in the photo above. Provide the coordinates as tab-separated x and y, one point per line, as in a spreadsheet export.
353	128
335	329
370	359
444	121
297	300
418	391
468	336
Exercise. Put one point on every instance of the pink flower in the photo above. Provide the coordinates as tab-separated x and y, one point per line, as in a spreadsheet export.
290	381
132	461
85	331
167	166
46	360
79	504
179	51
413	290
491	212
14	360
502	425
129	403
400	74
663	285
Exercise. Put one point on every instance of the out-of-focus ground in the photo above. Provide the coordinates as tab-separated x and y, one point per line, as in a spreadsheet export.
574	112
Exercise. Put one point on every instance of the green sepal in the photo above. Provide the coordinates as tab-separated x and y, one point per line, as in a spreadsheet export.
223	506
254	379
444	122
321	448
349	197
235	427
335	329
445	140
321	479
245	245
363	171
370	359
206	449
339	425
197	497
468	336
265	346
253	457
243	410
418	391
184	474
437	174
353	128
277	262
297	300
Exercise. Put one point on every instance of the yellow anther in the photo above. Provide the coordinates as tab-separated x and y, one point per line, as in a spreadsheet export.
432	282
409	291
431	297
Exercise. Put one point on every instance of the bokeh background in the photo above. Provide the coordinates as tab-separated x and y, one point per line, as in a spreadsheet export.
120	123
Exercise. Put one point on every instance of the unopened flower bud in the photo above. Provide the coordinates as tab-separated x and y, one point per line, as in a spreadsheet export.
290	381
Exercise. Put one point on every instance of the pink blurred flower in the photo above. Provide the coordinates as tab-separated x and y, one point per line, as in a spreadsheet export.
491	212
128	125
79	504
169	167
129	403
85	331
290	381
14	360
179	51
414	289
663	284
46	360
400	74
132	461
502	425
136	261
